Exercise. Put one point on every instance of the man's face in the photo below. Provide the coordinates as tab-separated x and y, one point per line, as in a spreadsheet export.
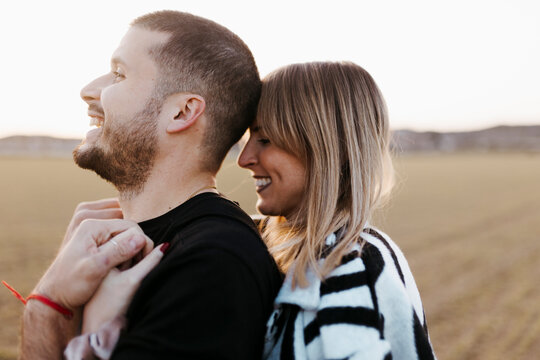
122	105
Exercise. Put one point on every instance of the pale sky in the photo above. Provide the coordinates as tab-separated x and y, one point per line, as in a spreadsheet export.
441	65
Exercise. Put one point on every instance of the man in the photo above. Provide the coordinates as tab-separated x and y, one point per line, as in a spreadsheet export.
181	91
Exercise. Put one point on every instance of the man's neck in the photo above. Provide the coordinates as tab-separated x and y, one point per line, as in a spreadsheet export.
163	193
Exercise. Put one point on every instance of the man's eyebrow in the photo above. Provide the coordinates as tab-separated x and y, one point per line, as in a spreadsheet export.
116	60
255	129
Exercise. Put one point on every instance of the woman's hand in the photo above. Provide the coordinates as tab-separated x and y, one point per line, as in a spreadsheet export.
116	291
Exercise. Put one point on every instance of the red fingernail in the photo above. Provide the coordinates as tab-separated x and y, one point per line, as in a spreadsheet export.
164	247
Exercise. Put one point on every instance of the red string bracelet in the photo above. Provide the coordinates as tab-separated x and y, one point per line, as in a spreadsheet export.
68	314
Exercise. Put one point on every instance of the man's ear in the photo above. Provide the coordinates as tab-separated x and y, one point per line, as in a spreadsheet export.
189	108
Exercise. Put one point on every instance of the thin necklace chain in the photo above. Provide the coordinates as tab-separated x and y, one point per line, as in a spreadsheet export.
200	190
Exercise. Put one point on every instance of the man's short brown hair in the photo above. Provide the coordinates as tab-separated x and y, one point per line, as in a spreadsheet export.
206	58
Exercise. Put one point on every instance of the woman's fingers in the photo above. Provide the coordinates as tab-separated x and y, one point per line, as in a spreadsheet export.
148	247
138	272
116	291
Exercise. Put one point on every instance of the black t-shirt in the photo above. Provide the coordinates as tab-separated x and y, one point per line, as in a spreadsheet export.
211	295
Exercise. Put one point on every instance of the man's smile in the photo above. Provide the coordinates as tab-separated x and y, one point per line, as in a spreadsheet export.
96	121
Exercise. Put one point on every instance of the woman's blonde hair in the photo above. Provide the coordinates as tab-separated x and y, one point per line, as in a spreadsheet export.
332	116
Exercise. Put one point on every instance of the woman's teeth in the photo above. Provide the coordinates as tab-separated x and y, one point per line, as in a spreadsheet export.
262	182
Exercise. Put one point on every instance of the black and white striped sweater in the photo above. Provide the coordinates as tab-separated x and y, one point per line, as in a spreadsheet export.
367	308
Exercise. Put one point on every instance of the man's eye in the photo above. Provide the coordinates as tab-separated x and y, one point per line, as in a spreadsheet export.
263	141
118	76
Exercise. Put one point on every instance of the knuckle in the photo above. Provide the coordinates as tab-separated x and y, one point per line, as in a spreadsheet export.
134	230
116	213
81	206
82	215
87	223
124	249
131	224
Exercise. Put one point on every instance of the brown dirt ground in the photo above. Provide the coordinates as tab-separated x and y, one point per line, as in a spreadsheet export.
468	224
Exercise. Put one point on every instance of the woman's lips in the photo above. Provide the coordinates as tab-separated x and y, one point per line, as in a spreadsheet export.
262	183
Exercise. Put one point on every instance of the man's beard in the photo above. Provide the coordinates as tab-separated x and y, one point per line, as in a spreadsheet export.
130	154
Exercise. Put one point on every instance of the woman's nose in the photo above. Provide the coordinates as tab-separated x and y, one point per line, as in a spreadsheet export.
248	156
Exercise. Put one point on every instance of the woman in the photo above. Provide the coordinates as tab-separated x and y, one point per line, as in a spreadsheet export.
319	153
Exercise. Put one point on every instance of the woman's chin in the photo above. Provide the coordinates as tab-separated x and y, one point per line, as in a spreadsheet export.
264	208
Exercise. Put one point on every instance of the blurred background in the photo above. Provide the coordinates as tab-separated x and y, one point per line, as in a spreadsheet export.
462	84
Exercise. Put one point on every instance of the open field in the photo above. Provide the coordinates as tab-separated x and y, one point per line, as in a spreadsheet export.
469	225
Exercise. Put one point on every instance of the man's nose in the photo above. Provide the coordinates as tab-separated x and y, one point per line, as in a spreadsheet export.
92	91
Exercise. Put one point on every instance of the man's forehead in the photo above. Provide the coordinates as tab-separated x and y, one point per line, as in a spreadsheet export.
137	42
140	35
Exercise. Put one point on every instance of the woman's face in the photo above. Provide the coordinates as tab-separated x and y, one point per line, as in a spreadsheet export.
280	177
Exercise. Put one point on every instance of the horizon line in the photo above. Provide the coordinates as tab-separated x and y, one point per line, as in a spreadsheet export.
412	129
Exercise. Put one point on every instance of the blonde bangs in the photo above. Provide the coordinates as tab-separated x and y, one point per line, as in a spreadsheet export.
276	117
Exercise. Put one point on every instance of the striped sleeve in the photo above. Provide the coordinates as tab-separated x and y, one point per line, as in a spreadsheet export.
370	307
348	319
397	297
